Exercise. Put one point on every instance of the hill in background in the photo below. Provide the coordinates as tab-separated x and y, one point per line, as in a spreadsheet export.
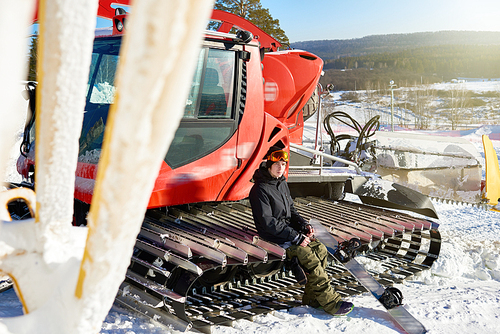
331	49
407	59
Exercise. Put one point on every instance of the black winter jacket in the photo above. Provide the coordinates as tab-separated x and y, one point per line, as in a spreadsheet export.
274	214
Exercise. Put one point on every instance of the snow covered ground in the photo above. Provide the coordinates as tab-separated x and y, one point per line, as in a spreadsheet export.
460	294
480	100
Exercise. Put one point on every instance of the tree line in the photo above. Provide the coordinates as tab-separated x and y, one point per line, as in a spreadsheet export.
444	60
421	65
378	78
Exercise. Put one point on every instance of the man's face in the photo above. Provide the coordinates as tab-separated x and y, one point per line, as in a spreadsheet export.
277	169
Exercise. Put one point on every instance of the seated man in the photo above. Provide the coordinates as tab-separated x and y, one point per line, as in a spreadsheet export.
277	220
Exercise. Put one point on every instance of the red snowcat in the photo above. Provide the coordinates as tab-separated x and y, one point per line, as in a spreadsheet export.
198	260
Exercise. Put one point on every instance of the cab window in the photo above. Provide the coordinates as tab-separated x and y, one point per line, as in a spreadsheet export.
208	120
214	77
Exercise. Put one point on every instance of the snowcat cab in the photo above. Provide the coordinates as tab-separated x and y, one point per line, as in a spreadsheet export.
198	256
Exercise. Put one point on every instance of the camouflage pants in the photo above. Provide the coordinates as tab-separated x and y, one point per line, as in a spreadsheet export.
318	291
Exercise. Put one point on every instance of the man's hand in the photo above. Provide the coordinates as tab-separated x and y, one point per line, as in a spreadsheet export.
310	231
305	242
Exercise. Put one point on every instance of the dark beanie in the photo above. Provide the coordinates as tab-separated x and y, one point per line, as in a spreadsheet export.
269	163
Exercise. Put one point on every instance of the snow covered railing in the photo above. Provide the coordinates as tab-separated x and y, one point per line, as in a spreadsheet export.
465	155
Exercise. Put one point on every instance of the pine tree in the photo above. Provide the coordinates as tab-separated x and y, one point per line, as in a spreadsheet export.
32	59
253	11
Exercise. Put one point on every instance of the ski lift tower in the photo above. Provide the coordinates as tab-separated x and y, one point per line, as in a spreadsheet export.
392	85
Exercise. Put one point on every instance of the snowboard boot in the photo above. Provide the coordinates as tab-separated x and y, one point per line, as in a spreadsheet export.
345	309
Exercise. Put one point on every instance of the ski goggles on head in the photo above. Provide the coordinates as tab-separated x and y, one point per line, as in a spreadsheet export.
278	156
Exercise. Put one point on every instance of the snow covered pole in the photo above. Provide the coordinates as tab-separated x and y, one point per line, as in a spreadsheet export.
60	293
64	54
157	62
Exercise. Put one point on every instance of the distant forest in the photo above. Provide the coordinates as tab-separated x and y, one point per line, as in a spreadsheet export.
407	58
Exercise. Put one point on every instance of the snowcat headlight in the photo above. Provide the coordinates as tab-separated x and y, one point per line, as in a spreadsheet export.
119	25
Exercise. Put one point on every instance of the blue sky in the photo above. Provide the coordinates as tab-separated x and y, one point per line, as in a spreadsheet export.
304	20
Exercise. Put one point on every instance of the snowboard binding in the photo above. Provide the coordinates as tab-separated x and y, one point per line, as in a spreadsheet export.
347	250
391	298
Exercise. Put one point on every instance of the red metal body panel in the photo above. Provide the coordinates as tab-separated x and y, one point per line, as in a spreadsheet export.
273	132
199	181
290	79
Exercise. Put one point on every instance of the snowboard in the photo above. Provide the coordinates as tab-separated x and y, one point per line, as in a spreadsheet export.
390	298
